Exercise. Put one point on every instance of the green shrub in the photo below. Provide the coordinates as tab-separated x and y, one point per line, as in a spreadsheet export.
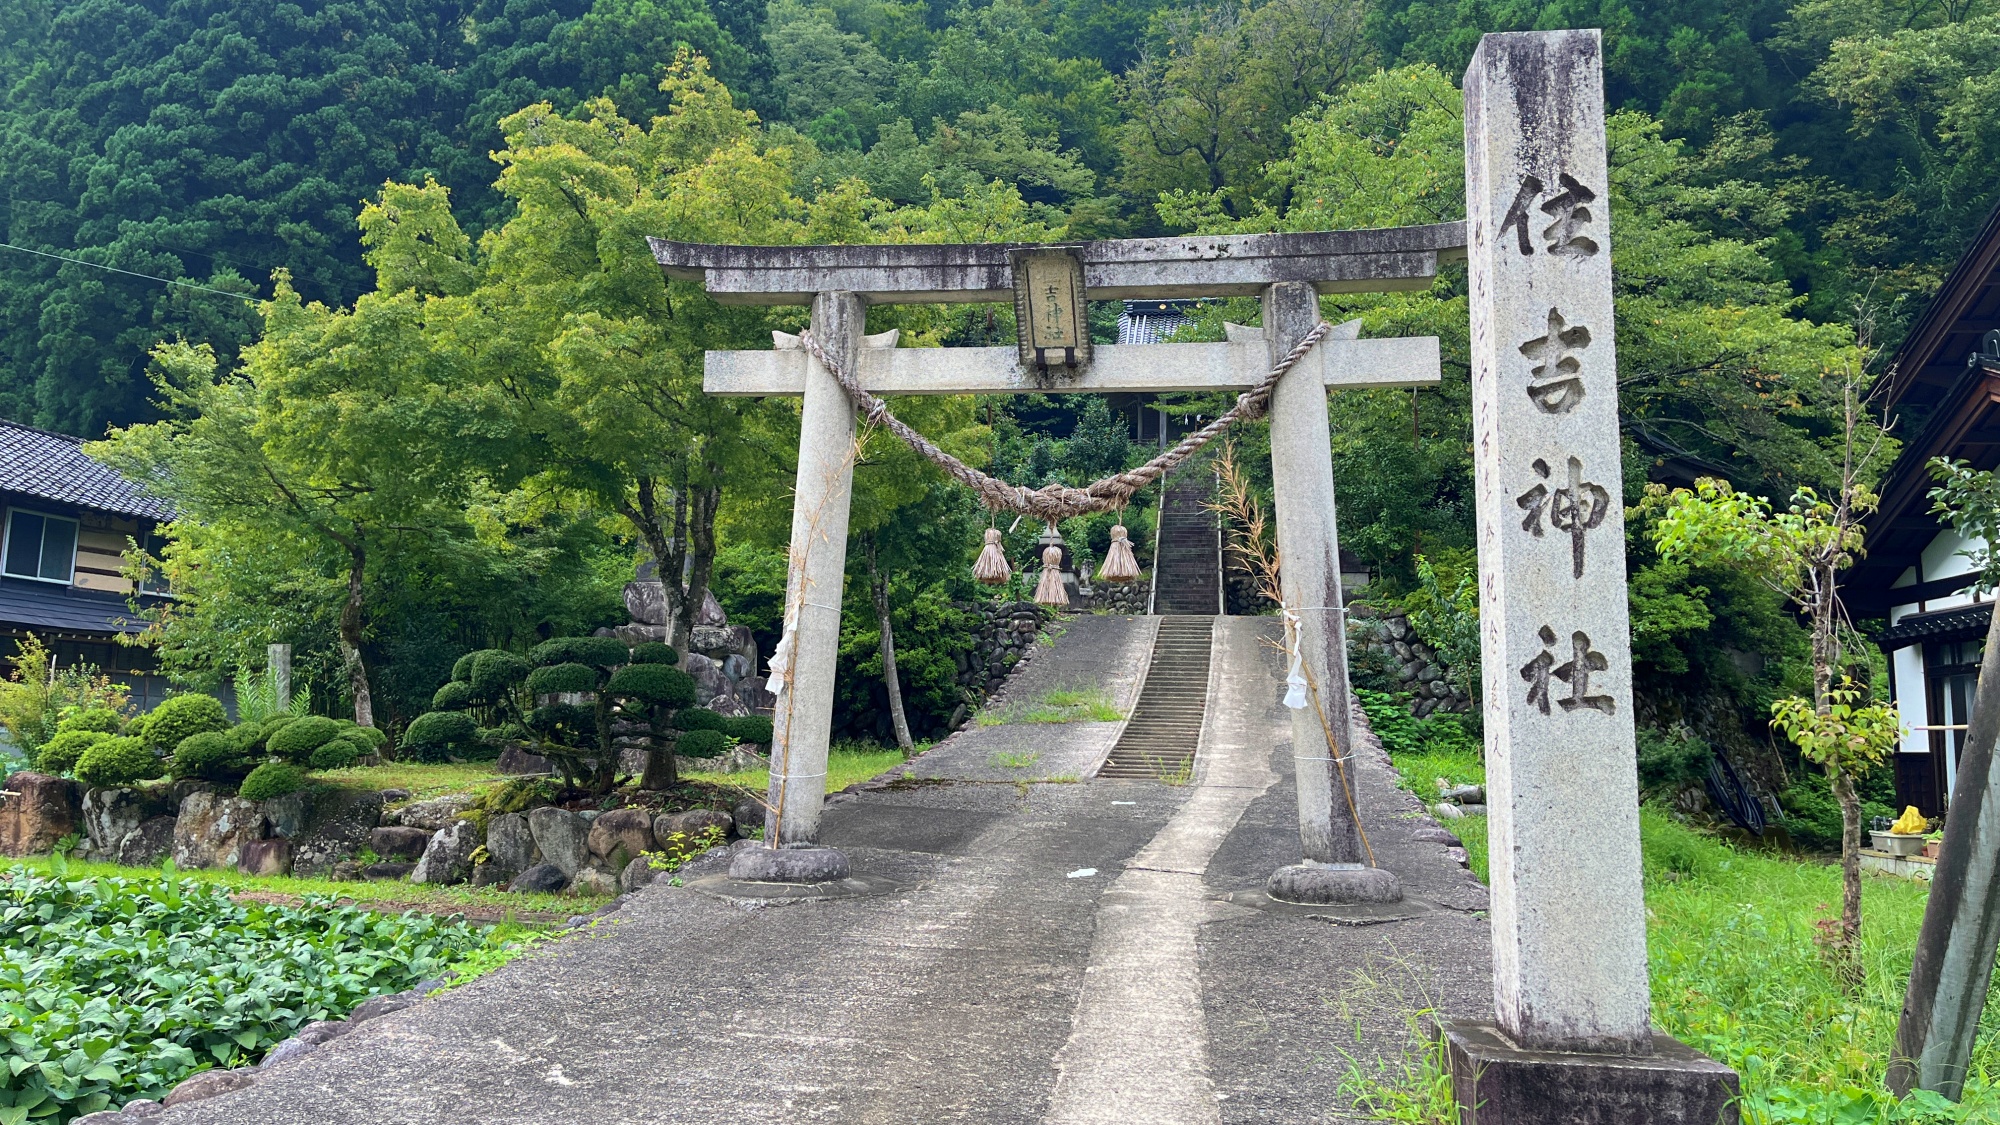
1671	759
461	669
653	684
495	671
249	737
454	695
102	720
750	728
113	762
436	736
272	779
376	738
336	755
211	756
181	716
1812	816
699	718
243	977
653	652
59	754
559	678
522	794
303	735
600	652
701	744
276	723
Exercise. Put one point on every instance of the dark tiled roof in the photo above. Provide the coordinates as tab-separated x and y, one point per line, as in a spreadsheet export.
53	467
1963	622
47	607
1151	322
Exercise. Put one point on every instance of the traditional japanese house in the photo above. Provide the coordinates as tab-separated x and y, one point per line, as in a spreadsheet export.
66	522
1944	394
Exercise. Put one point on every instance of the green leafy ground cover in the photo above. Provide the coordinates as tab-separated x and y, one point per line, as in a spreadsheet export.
1737	972
113	988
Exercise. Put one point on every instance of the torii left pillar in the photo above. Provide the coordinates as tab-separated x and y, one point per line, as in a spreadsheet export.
802	724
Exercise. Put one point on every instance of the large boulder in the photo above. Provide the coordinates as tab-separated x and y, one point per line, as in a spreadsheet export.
647	603
338	822
593	881
147	845
690	826
111	815
710	612
38	811
510	845
393	841
287	815
266	857
515	760
212	830
546	878
617	836
562	837
433	814
448	859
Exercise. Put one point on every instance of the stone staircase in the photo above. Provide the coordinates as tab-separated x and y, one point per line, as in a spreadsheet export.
1160	740
1188	562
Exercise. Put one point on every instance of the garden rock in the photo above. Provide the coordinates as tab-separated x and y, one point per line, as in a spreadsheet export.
510	845
562	836
338	823
290	1049
690	825
626	831
647	602
152	842
1444	810
38	811
389	795
346	871
638	873
432	814
142	1109
1438	835
377	1007
212	830
448	859
323	1031
749	815
382	872
208	1084
543	878
487	875
266	857
398	842
101	1117
111	815
710	686
516	761
286	815
593	881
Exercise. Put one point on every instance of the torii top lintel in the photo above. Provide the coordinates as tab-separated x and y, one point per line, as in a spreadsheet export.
1336	261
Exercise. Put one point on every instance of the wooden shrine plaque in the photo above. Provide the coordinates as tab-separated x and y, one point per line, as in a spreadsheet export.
1049	306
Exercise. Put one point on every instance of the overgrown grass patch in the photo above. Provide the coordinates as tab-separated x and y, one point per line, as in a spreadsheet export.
843	768
1062	705
421	779
113	989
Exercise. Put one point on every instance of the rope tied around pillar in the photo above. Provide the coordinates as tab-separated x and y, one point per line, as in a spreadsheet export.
1053	502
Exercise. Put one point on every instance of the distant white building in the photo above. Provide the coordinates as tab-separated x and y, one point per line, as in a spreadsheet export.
1945	393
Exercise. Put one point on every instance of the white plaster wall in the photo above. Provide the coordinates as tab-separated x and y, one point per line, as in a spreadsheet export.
1945	557
1910	698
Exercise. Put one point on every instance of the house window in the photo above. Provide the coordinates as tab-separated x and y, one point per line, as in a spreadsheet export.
39	547
1951	675
154	580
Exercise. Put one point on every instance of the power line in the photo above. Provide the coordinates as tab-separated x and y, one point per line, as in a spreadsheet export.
127	273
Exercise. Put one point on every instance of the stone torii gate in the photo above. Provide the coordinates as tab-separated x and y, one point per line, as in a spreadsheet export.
1288	271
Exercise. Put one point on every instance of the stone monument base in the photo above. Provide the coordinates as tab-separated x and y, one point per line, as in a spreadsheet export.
1498	1083
1316	884
789	865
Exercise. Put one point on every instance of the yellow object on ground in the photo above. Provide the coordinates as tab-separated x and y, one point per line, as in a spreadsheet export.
1911	823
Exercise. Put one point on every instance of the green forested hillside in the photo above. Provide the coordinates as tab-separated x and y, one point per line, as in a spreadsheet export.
214	141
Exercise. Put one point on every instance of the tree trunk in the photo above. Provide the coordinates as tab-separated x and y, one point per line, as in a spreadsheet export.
1850	872
350	638
607	748
662	772
702	505
878	587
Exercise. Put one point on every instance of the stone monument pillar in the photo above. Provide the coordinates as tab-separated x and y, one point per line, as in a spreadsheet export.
1335	868
1574	1040
278	658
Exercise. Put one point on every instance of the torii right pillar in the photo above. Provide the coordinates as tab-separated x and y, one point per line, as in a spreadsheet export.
1573	1042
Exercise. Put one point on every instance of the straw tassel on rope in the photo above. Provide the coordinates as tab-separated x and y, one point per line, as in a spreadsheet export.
1049	591
1119	565
991	568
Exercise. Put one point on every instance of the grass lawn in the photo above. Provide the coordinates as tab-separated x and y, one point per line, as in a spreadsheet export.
843	768
420	779
485	904
1737	972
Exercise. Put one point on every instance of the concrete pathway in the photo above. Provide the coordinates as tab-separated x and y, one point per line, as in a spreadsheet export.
1056	952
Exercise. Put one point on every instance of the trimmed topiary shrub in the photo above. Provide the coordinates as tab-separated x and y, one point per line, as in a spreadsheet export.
600	652
336	755
296	741
102	720
653	652
436	736
211	756
561	678
494	671
59	754
655	685
272	779
376	738
181	716
113	762
699	718
276	723
749	728
461	669
453	696
701	744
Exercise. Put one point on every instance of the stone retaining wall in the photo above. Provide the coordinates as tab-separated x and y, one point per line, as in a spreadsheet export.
1385	638
1007	632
